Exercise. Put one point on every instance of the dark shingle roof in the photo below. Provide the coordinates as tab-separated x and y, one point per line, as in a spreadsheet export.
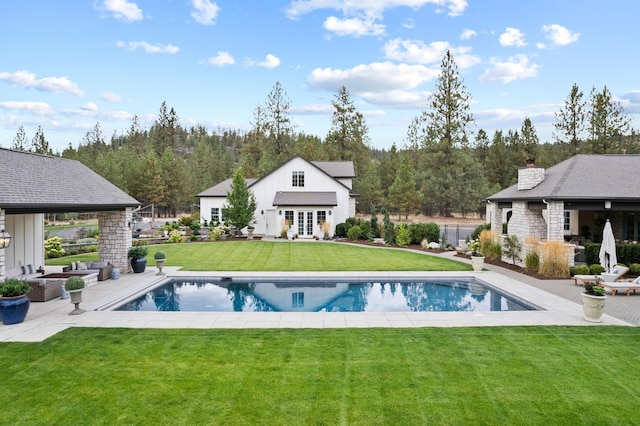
336	169
584	177
33	183
310	198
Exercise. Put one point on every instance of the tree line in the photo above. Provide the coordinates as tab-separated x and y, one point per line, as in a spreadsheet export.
443	166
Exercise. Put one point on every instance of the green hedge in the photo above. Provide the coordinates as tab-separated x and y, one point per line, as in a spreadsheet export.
626	253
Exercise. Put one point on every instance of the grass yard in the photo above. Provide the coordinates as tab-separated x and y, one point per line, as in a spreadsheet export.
287	256
444	376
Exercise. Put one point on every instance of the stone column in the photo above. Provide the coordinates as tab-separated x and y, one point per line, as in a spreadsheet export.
115	237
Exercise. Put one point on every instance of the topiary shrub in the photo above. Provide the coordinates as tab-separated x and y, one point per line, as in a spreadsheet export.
14	287
74	283
580	270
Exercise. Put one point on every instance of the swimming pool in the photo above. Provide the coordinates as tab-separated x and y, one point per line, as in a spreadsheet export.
209	294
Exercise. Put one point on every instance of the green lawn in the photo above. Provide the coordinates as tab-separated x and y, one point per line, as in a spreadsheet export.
288	256
454	376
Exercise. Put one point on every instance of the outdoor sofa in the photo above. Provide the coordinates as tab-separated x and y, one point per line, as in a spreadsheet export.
103	269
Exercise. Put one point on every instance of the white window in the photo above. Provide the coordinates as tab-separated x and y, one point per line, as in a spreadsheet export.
567	220
321	217
216	215
297	179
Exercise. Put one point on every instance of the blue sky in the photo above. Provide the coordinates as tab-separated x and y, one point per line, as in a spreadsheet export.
67	65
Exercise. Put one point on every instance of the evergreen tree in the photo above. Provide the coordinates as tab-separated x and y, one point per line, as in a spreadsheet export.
569	124
403	196
529	139
607	123
497	158
39	143
445	129
389	235
241	202
348	137
279	125
20	140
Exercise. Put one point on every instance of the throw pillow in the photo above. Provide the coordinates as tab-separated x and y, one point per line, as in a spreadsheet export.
27	269
82	266
74	266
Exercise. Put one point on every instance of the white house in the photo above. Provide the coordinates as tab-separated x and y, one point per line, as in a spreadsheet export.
300	195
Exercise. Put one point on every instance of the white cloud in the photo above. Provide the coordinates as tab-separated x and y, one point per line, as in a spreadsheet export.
111	97
38	108
89	106
312	109
353	26
416	52
467	34
205	12
221	59
409	24
298	8
372	78
516	68
559	35
270	61
400	99
148	47
48	84
122	10
512	37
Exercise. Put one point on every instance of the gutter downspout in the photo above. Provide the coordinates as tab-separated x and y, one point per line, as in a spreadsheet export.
548	218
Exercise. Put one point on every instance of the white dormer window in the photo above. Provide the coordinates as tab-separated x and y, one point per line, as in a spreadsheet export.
297	179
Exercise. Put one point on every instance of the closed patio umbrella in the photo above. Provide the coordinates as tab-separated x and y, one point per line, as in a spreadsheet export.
608	257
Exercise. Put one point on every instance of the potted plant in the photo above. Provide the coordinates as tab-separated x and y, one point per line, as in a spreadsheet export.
74	286
477	259
593	298
159	257
14	303
250	229
138	258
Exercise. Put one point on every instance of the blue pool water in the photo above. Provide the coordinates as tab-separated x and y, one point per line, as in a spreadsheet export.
215	295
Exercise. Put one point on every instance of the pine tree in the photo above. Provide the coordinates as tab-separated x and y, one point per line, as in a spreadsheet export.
403	195
569	124
607	123
278	124
20	140
39	143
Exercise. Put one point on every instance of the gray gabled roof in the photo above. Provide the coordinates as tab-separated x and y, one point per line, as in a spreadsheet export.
34	183
584	177
336	169
309	198
333	169
221	189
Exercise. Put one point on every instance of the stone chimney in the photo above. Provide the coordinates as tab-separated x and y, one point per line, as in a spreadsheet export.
530	176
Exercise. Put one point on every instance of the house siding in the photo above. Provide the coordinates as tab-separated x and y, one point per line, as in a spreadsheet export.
315	180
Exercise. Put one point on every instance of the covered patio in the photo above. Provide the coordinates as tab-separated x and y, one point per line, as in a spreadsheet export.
35	184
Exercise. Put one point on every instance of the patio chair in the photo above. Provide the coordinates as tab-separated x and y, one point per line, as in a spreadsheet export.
628	286
619	271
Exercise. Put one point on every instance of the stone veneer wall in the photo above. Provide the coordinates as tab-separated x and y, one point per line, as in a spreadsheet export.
2	258
115	237
529	177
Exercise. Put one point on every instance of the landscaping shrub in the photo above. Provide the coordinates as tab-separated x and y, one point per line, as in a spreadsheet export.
532	261
580	270
53	247
351	221
341	230
554	259
175	236
489	246
596	269
355	233
420	231
365	227
512	248
476	232
628	253
634	269
592	253
403	237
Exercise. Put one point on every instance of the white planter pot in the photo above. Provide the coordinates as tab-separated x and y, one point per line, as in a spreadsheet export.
477	262
593	307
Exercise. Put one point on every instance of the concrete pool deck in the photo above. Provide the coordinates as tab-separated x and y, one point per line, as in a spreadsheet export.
45	319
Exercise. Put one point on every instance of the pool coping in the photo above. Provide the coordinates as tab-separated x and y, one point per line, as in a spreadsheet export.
48	318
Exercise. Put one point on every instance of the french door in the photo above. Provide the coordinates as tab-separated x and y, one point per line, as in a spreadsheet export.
305	224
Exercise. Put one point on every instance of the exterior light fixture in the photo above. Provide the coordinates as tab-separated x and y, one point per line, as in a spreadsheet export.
607	204
5	239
